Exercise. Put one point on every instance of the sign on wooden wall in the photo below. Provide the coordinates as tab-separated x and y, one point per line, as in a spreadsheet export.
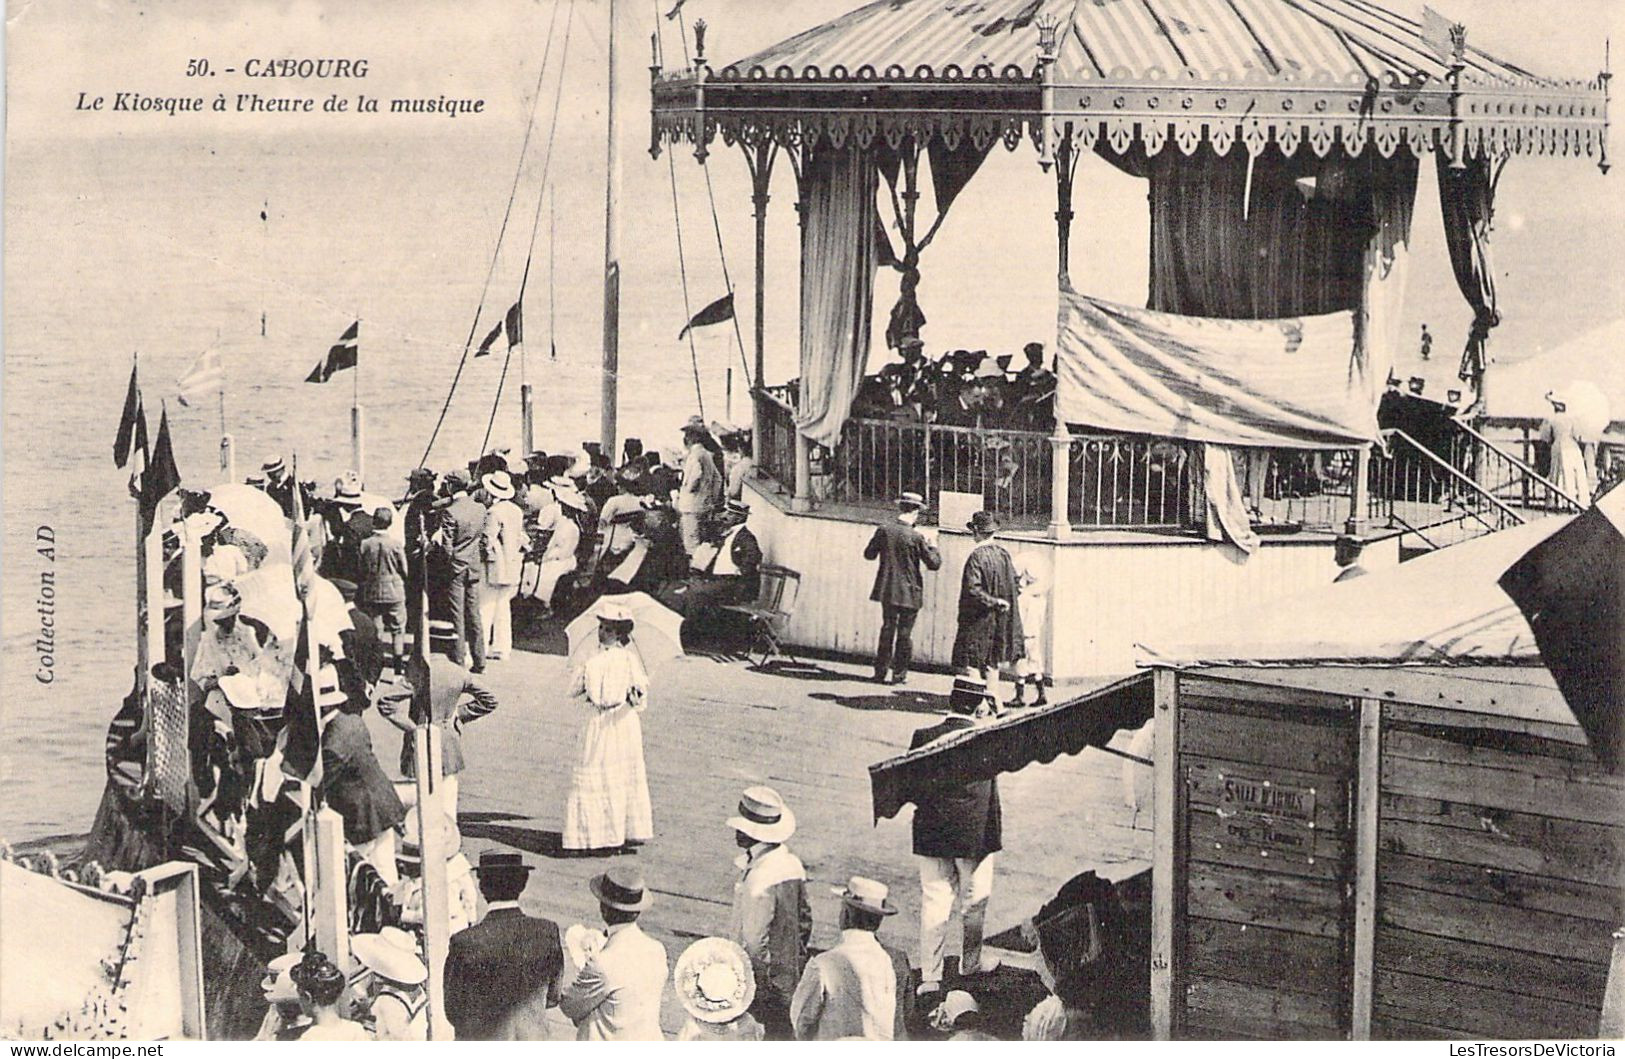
1259	811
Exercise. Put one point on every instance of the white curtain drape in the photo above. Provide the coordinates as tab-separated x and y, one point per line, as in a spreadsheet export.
837	285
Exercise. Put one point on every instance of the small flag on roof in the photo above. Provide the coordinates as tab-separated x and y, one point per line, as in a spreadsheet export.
343	354
205	377
718	311
1445	38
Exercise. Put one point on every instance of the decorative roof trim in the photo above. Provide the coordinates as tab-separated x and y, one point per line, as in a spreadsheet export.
1498	116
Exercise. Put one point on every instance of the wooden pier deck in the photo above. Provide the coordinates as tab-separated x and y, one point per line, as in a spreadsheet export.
713	727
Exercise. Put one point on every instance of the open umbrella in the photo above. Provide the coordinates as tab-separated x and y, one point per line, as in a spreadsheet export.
252	511
657	632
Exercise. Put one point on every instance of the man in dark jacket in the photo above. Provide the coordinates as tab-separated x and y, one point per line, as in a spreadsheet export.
502	974
898	585
462	531
957	830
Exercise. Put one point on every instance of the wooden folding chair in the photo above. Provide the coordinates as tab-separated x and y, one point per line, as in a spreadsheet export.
770	615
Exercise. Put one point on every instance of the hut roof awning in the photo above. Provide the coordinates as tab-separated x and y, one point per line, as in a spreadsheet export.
1136	72
1020	739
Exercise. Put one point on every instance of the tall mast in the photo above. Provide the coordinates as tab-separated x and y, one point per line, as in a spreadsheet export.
612	262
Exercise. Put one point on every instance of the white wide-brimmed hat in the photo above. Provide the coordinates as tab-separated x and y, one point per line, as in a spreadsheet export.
763	815
714	980
566	493
277	985
866	894
498	484
391	953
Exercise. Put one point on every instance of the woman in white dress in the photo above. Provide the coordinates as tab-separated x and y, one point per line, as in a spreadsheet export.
1568	469
559	558
608	805
1033	605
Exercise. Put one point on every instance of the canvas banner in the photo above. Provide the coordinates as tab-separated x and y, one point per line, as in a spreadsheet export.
1291	383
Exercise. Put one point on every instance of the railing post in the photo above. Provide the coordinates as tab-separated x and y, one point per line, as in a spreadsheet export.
801	496
1060	478
1360	492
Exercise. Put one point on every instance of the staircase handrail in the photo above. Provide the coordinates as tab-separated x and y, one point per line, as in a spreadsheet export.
1394	432
1520	464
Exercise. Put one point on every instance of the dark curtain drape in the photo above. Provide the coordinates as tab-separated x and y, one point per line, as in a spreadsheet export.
1467	199
951	169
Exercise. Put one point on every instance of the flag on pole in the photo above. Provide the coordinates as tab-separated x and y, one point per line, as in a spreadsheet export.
1439	34
127	422
343	354
516	324
138	449
718	311
675	9
302	750
204	378
161	476
489	340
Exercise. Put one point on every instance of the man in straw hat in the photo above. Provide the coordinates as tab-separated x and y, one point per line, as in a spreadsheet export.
853	989
716	986
899	586
503	974
462	531
771	916
990	637
616	995
956	832
505	541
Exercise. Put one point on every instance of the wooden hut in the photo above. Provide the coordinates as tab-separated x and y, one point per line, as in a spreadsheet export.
1377	817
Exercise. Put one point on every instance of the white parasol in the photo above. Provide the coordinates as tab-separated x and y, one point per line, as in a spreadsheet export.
657	632
252	511
1585	409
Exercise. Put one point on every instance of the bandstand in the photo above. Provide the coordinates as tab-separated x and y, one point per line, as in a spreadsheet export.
1210	447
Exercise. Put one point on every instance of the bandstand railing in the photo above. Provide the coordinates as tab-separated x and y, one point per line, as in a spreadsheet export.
775	438
1112	481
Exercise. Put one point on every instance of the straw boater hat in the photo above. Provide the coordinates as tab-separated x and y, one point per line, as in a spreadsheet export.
273	467
911	342
347	490
910	501
969	694
621	888
714	980
391	953
498	484
866	895
764	816
736	507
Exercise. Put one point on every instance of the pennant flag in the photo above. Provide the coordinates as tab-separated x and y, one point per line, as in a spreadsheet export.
675	9
161	476
302	751
718	311
342	355
126	422
1439	34
485	344
1571	587
206	376
516	324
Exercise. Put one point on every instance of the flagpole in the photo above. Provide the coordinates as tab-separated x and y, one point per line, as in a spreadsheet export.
142	664
612	263
356	455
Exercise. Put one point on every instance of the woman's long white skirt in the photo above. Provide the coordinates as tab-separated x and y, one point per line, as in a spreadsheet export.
609	788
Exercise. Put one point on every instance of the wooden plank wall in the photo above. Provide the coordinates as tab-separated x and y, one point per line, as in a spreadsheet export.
1499	884
1267	918
1110	591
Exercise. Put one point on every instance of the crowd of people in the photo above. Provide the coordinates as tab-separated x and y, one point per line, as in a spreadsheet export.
961	388
562	531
